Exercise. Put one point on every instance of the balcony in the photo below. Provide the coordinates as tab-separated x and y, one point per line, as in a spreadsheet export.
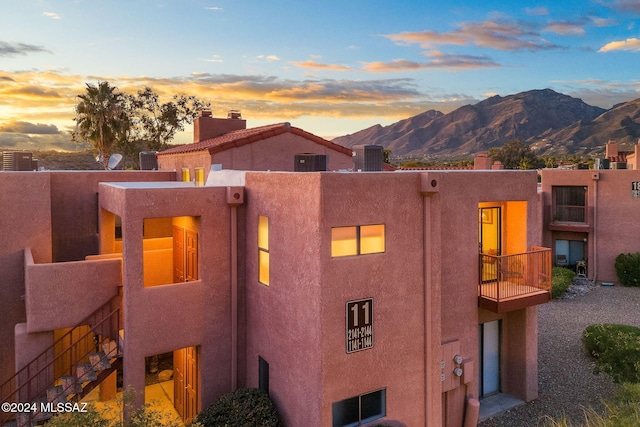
513	282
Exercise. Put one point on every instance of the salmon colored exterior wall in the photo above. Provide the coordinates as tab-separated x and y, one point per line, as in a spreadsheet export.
612	214
276	153
424	286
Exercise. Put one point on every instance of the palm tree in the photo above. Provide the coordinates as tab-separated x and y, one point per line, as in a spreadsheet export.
101	119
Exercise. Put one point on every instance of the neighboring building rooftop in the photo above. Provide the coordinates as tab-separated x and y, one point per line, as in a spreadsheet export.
241	137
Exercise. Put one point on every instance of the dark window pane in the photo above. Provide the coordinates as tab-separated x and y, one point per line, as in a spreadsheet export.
345	412
373	405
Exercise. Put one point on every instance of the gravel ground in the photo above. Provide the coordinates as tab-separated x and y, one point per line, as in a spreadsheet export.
567	384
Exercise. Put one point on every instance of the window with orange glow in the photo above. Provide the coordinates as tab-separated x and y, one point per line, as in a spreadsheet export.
263	250
357	240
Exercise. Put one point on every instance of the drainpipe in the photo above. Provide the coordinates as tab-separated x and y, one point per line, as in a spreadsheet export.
235	197
433	412
596	177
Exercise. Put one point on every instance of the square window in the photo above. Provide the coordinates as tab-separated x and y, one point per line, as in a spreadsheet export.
344	241
371	239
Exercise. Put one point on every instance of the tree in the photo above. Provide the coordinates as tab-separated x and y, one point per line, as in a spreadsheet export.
158	122
101	119
113	121
515	154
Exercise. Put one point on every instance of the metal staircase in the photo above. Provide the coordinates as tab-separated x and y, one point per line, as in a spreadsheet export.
66	371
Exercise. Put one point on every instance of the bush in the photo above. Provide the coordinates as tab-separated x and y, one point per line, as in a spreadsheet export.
628	269
248	407
616	349
561	279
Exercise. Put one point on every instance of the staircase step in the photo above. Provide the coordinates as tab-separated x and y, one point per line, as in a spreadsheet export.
24	419
85	373
99	361
10	424
70	385
110	348
56	394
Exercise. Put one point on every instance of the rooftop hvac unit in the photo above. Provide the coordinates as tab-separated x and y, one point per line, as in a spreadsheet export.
148	161
601	164
618	165
17	161
309	162
368	157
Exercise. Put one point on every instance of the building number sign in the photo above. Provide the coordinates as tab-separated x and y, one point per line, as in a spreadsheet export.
635	189
359	325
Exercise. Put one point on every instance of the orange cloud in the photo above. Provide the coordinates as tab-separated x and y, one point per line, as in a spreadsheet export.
318	66
632	44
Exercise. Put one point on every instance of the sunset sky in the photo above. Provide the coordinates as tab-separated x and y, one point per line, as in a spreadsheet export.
329	67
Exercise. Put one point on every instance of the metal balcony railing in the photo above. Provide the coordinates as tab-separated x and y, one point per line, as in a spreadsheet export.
504	279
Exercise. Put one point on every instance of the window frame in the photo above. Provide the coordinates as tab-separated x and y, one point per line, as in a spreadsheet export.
338	417
359	240
568	211
263	251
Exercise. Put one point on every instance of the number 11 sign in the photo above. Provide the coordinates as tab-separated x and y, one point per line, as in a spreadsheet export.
359	325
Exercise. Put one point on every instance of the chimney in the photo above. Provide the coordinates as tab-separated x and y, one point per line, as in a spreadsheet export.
482	162
206	127
611	149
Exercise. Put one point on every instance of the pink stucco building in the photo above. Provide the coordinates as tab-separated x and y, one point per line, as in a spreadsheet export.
589	218
351	297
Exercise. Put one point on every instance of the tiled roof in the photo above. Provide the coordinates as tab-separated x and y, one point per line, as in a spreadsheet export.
242	137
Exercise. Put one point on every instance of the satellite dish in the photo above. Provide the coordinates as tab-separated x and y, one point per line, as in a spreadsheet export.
114	161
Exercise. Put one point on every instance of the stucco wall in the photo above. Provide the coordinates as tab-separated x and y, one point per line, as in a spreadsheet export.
282	319
74	208
393	279
612	213
192	314
25	221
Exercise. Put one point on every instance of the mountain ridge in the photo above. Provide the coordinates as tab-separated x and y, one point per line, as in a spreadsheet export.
551	122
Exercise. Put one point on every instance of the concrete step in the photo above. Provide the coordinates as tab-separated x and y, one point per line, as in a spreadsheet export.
70	385
99	361
56	394
85	373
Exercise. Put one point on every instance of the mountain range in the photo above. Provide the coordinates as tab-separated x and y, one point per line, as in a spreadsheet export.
551	122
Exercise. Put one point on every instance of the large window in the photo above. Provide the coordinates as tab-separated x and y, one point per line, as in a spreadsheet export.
357	240
359	409
263	250
570	203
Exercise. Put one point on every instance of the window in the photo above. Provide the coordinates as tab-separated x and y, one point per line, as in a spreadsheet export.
263	374
570	204
357	240
360	409
263	250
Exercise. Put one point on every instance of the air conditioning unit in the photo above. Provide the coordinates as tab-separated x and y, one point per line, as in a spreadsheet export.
309	162
368	157
17	161
148	160
618	165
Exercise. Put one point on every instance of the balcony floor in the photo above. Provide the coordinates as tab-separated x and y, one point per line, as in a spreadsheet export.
512	296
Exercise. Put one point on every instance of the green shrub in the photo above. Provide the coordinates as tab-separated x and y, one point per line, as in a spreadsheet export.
561	279
248	407
628	269
616	349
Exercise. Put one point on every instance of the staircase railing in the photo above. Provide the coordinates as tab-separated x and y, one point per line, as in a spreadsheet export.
32	381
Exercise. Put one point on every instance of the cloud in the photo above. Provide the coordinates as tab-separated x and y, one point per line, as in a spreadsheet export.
632	45
510	36
214	58
566	28
623	5
15	49
51	15
214	8
318	66
29	128
439	60
536	11
269	58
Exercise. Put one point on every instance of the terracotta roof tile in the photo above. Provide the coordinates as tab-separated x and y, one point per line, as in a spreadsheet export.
247	136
